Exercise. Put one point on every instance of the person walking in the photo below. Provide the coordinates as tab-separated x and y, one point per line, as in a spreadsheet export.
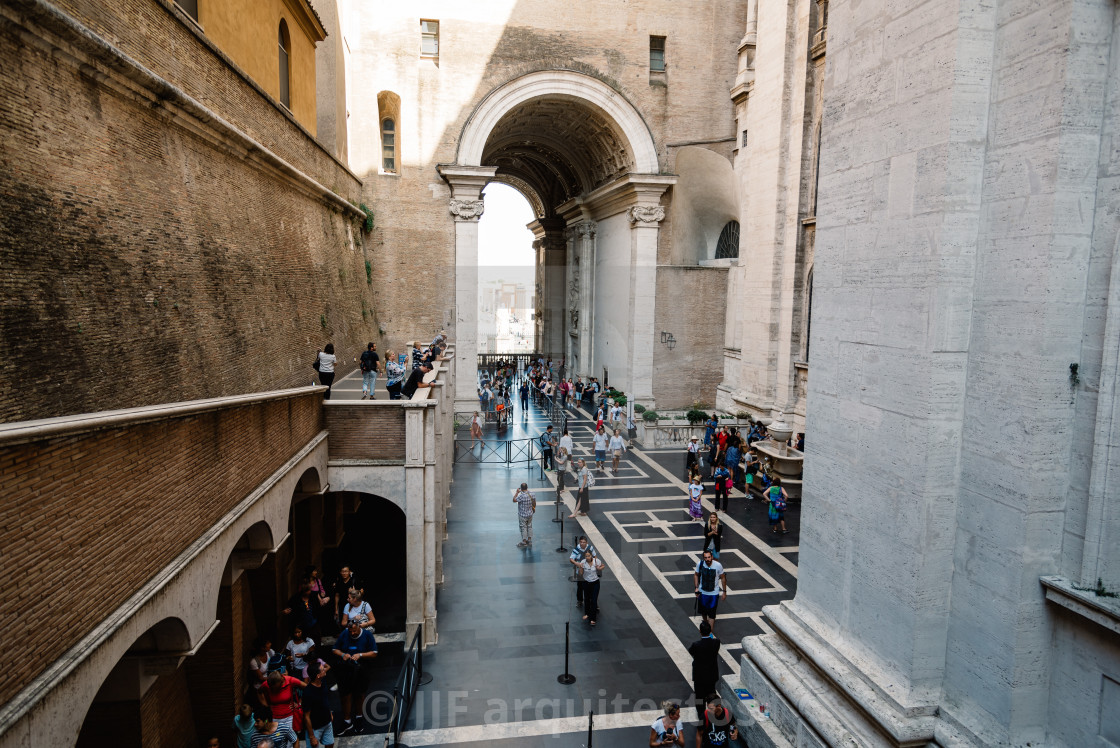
548	442
526	507
711	586
601	440
776	497
583	496
617	446
717	727
721	477
616	417
318	720
665	730
369	364
476	430
582	547
524	392
695	492
590	568
326	360
563	459
705	666
693	455
713	534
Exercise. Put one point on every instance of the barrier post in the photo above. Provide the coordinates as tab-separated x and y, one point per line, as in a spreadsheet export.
566	678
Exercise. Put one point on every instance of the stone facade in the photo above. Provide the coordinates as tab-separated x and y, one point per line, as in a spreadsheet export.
965	259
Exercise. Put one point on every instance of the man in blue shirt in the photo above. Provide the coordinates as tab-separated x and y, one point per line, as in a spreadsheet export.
582	546
548	441
355	648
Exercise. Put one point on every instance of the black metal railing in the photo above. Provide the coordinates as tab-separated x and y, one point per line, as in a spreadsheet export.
404	692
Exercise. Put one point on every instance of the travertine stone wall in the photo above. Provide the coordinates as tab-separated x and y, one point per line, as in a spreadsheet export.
965	257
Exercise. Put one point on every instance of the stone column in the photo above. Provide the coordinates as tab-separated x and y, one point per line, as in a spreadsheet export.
417	567
586	284
571	301
645	220
466	208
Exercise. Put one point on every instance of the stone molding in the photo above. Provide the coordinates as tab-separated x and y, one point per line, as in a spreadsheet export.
565	83
466	210
646	214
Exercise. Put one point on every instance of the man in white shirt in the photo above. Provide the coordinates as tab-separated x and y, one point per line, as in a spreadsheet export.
616	417
601	439
711	586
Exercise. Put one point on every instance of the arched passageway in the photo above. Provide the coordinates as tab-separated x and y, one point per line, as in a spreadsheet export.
584	158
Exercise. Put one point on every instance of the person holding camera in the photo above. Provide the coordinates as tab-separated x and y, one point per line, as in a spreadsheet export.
666	730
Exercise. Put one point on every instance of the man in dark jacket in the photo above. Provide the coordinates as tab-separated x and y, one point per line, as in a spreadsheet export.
705	666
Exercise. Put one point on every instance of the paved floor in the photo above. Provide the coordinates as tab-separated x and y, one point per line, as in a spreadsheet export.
503	611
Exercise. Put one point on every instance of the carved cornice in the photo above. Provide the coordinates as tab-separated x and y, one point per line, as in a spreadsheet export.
646	214
465	210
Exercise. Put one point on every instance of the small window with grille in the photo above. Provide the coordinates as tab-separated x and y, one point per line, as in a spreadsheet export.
728	245
388	145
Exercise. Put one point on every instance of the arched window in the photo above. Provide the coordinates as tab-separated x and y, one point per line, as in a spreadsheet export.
389	115
285	42
388	145
728	245
808	311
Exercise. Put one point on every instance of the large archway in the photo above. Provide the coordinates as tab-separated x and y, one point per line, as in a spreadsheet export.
586	161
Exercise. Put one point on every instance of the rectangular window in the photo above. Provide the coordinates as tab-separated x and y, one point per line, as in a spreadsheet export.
657	54
190	7
429	38
744	143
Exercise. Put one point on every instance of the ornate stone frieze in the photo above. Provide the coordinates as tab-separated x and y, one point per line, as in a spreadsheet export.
466	210
646	214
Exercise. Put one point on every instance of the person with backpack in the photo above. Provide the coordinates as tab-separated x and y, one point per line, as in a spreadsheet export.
369	364
717	727
721	476
547	442
583	497
776	496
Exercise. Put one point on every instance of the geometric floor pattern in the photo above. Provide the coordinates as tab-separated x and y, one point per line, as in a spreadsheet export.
504	612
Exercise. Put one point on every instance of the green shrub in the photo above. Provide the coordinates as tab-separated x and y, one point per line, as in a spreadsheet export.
619	398
367	225
743	415
649	416
695	416
639	409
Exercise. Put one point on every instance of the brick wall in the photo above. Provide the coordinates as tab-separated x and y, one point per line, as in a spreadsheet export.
140	263
693	306
365	432
80	513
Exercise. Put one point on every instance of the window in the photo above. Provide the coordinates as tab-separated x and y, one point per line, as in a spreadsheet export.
429	38
285	41
728	245
389	115
657	54
744	143
190	7
388	145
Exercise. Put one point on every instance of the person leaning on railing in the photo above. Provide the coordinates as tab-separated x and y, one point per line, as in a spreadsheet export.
395	375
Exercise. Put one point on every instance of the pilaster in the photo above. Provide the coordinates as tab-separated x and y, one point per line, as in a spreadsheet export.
466	207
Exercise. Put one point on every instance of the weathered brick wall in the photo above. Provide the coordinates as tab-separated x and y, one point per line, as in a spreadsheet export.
142	264
692	304
80	513
365	433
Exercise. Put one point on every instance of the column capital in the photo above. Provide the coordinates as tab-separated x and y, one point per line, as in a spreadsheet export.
646	214
466	210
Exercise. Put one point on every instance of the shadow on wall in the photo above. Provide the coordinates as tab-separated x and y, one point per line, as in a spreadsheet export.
705	198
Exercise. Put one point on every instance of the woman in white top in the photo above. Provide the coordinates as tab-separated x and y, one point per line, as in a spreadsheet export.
562	460
476	430
666	731
300	651
617	446
357	608
326	368
589	569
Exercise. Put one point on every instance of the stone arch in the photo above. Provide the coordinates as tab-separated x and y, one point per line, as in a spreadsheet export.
561	84
310	482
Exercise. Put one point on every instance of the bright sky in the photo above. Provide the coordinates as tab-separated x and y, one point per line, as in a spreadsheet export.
503	240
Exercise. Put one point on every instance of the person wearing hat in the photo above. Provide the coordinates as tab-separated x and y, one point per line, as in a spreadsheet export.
355	648
693	453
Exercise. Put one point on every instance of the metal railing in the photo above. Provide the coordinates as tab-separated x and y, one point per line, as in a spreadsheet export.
404	692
